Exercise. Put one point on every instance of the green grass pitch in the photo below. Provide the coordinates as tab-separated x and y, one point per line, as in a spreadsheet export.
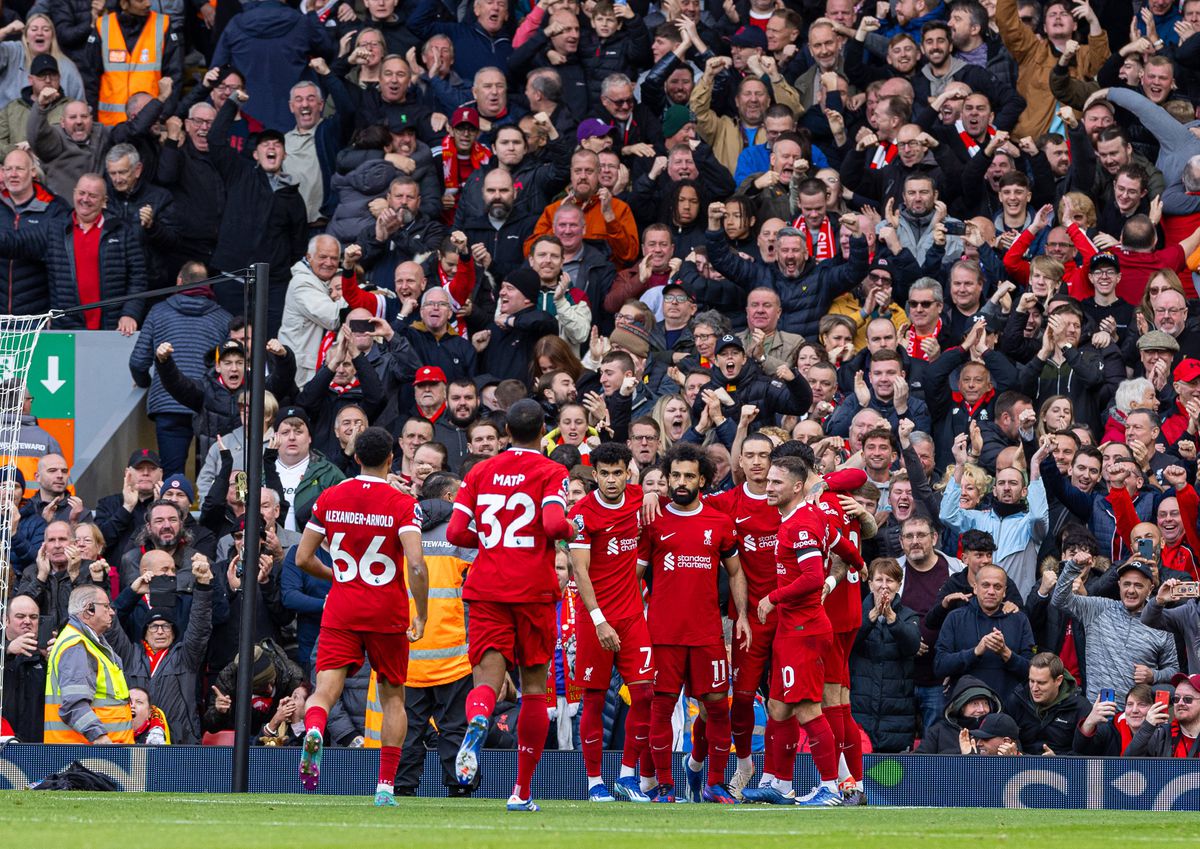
183	821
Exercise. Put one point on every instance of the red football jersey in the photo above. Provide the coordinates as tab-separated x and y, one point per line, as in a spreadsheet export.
611	532
844	603
505	496
757	525
684	550
800	580
363	519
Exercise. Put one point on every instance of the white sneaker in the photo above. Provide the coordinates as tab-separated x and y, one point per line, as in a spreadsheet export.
741	779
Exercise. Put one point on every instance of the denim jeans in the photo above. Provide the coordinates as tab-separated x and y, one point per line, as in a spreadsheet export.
931	702
175	435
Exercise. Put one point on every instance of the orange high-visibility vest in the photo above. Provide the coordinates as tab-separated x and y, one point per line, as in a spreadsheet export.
126	72
440	656
373	725
110	701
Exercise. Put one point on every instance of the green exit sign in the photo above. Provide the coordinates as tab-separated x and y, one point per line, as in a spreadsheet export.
51	379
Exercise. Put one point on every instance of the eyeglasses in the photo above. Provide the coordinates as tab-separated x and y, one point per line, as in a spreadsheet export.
623	101
921	304
880	278
916	536
704	336
1105	272
909	144
1182	700
200	122
677	299
158	626
650	438
1063	245
1169	310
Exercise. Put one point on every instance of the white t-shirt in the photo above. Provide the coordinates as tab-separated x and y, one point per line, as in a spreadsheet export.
290	477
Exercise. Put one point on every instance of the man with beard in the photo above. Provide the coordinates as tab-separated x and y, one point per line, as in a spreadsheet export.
498	233
971	35
555	388
401	232
941	68
606	218
686	542
540	175
805	287
163	531
1017	526
460	410
780	394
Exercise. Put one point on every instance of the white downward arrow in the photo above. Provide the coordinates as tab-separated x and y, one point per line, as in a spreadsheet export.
52	383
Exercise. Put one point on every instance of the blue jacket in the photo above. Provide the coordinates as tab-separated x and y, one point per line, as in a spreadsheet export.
962	631
473	47
756	159
271	43
194	325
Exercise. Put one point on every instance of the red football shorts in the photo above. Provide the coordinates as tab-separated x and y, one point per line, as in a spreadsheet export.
699	670
750	664
837	659
524	632
798	668
388	652
593	664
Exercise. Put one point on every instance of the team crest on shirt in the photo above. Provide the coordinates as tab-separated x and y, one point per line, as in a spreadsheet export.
587	674
418	515
578	523
708	537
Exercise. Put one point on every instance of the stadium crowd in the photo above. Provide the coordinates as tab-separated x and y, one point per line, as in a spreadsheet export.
951	245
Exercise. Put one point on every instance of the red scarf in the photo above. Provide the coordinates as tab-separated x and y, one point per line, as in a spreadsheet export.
913	341
969	143
825	247
479	156
155	657
972	409
884	154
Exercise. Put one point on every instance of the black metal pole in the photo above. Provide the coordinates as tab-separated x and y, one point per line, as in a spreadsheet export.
259	276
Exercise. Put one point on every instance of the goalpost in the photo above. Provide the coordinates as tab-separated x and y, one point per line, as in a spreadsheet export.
18	337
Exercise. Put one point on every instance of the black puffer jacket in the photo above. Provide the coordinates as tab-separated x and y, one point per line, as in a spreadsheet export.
215	405
288	676
772	396
882	693
26	290
122	267
942	739
1052	726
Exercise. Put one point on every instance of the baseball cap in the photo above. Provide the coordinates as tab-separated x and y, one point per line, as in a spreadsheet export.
748	37
674	286
1134	565
42	64
181	483
1104	258
286	413
228	347
400	121
1157	340
465	115
1187	370
1181	677
144	455
730	341
590	128
997	725
429	374
268	135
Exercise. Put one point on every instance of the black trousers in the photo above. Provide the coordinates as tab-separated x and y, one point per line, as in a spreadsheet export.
446	705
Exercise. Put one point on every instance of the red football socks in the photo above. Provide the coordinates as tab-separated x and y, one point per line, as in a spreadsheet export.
783	745
481	701
824	748
741	722
699	739
532	725
661	735
591	731
637	723
769	735
316	717
718	740
389	762
833	715
852	744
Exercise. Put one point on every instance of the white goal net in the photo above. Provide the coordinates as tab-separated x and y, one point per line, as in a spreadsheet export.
18	338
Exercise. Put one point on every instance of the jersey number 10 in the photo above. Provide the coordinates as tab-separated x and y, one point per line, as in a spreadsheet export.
374	568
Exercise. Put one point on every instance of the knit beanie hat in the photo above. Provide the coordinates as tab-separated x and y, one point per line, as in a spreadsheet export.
525	281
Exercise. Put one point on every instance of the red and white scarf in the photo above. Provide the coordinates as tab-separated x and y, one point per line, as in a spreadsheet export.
825	247
969	143
913	340
885	152
479	157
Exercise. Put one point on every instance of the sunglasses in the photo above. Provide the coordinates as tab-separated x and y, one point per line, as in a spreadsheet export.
922	304
1184	700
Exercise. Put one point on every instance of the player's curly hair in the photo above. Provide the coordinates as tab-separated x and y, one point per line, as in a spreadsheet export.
685	452
373	446
610	453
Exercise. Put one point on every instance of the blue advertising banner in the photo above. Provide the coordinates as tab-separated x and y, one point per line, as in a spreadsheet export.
896	780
